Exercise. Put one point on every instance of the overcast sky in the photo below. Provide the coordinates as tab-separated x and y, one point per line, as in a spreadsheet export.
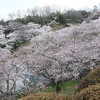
9	6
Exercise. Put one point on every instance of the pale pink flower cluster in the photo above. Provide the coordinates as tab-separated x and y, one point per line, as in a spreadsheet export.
58	56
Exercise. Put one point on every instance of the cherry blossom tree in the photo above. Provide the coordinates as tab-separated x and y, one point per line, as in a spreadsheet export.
59	56
65	54
12	73
58	63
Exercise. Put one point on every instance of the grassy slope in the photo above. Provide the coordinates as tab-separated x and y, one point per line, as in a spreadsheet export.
67	88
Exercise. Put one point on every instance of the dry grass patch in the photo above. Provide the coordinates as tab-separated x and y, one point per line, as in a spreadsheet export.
45	96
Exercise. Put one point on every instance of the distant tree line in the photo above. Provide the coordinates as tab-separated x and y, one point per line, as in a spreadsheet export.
47	14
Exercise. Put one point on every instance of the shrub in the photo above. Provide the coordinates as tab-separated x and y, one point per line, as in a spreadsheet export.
90	93
57	27
21	95
91	79
61	18
45	96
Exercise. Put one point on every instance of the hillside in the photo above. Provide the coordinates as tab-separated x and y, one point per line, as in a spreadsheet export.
33	57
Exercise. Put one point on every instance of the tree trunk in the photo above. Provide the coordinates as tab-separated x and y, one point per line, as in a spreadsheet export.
58	89
53	82
7	86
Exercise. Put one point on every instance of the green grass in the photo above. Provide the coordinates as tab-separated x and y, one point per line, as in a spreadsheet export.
68	88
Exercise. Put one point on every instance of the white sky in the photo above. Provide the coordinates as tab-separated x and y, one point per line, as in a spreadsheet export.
9	6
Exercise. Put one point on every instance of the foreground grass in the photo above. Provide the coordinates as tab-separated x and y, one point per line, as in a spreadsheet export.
45	96
67	88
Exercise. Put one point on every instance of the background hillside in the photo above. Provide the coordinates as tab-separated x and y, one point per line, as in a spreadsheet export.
35	55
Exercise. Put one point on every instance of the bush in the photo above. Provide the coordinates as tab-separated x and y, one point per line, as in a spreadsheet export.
45	96
90	93
91	79
21	95
57	27
61	18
